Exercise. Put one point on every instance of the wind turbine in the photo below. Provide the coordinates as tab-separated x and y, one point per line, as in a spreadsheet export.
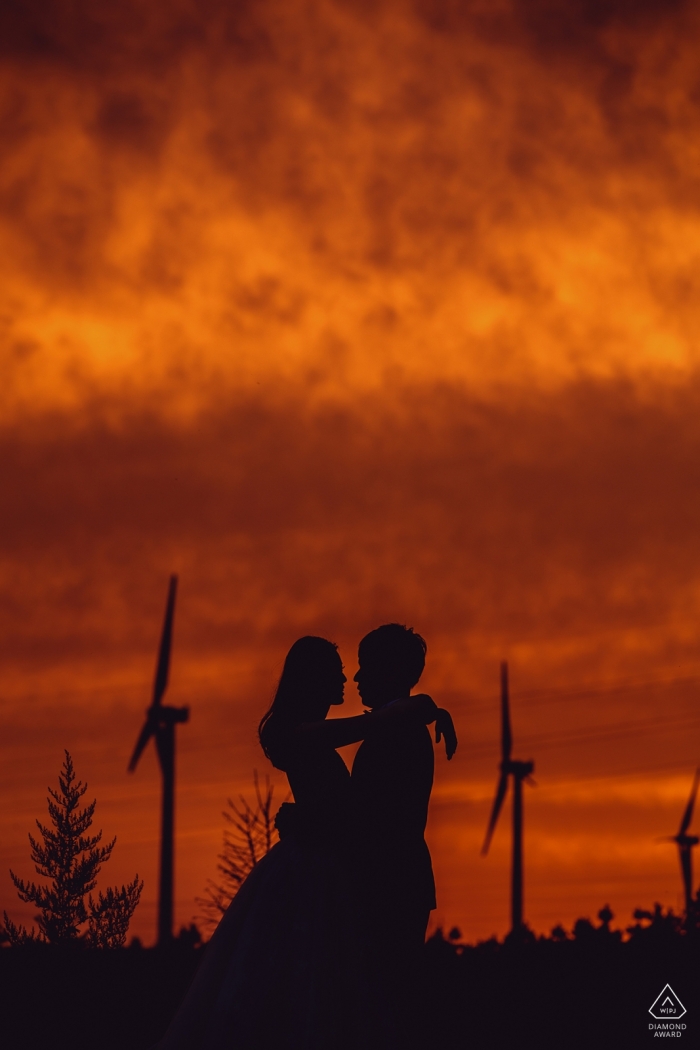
686	842
519	771
160	723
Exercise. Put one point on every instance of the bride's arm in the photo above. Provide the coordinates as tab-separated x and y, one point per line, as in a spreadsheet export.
337	732
445	730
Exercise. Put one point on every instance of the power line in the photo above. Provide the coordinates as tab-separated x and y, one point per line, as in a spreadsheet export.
591	734
562	694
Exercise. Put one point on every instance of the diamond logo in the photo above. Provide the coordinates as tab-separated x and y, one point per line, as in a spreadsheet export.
667	1004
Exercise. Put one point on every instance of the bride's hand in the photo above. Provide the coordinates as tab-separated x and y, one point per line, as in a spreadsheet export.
445	727
286	819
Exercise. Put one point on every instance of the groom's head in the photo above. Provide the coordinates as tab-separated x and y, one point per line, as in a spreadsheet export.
391	661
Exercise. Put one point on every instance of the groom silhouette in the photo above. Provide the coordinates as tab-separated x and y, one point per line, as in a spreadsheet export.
392	777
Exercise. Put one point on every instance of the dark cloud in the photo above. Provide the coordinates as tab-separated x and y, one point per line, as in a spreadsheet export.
98	37
128	120
531	517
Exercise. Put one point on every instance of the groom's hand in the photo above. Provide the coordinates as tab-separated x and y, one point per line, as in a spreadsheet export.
445	728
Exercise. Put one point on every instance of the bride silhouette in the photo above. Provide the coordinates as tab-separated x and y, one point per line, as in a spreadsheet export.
285	968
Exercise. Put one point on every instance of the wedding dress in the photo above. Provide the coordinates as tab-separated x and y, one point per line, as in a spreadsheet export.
284	970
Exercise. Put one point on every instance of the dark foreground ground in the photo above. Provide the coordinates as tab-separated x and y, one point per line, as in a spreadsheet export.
592	992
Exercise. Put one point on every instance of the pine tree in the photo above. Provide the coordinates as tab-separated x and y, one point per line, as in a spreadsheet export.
72	860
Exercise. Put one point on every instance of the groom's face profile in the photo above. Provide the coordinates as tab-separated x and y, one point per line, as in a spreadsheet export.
391	660
379	685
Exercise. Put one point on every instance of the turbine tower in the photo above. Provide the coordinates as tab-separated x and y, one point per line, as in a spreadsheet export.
519	771
160	723
686	842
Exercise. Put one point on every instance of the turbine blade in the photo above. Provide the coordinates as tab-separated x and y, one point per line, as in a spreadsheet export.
506	735
501	790
147	732
686	862
161	680
688	815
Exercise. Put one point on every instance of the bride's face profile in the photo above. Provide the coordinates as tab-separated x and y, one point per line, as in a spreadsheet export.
325	688
336	686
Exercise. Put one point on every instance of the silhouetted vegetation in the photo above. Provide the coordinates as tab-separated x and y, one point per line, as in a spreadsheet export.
72	860
249	836
590	986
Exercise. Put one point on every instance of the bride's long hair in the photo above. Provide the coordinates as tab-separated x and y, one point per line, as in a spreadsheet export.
297	697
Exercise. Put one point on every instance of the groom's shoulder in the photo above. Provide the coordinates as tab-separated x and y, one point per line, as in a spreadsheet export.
411	737
422	741
415	731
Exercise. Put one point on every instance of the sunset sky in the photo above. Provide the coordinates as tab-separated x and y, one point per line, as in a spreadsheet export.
355	312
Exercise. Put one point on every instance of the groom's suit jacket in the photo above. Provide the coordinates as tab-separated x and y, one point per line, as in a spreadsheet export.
392	777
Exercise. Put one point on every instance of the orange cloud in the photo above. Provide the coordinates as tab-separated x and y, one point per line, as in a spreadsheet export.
213	199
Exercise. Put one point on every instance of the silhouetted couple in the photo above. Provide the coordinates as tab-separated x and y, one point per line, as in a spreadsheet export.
319	949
